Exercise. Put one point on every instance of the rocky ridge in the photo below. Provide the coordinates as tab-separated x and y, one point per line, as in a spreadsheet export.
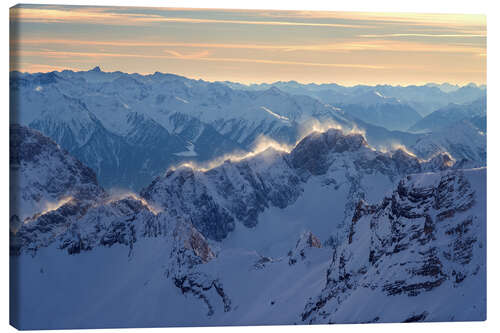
425	235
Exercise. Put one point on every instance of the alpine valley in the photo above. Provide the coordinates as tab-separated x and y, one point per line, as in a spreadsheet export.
158	200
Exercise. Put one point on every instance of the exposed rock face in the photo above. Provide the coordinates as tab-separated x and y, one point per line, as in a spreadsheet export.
191	250
215	199
406	163
306	241
440	161
193	240
77	227
418	239
124	222
199	285
312	152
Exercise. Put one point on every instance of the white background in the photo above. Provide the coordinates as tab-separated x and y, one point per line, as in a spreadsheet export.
431	6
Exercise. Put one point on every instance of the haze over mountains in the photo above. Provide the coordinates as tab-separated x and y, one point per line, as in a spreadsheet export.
425	99
157	200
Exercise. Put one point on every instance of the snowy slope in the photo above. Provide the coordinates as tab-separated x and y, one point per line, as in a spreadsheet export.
462	140
286	235
418	255
425	98
44	176
451	114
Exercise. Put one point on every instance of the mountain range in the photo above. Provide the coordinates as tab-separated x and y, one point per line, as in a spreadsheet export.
129	128
322	231
159	200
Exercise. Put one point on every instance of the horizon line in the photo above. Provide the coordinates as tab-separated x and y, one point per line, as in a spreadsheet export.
248	84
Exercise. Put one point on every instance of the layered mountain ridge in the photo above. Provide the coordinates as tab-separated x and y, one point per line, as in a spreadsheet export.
129	128
315	230
241	190
158	200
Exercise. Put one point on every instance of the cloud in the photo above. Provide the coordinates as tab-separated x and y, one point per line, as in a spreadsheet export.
176	55
401	46
138	43
90	15
425	35
248	22
442	20
341	46
39	68
195	55
110	17
70	54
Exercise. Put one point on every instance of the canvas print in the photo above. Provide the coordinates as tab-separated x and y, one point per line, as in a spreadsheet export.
213	167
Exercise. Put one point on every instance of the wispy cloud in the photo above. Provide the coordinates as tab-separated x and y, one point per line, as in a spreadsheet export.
299	63
346	46
389	46
429	19
70	54
175	55
37	68
395	47
248	22
425	35
195	55
93	15
138	43
90	15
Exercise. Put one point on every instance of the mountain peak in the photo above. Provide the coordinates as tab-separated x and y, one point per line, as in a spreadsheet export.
96	69
312	152
274	91
336	139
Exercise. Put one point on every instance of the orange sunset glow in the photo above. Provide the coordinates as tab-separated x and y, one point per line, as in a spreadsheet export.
253	45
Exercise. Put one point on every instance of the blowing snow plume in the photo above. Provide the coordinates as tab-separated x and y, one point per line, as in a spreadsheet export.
314	125
50	207
120	194
262	144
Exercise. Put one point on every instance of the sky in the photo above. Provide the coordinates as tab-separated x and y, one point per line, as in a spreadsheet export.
252	46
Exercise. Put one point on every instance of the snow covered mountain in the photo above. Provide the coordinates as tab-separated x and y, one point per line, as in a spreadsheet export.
241	188
88	222
362	102
451	114
392	116
424	99
43	176
129	127
418	255
283	235
462	140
